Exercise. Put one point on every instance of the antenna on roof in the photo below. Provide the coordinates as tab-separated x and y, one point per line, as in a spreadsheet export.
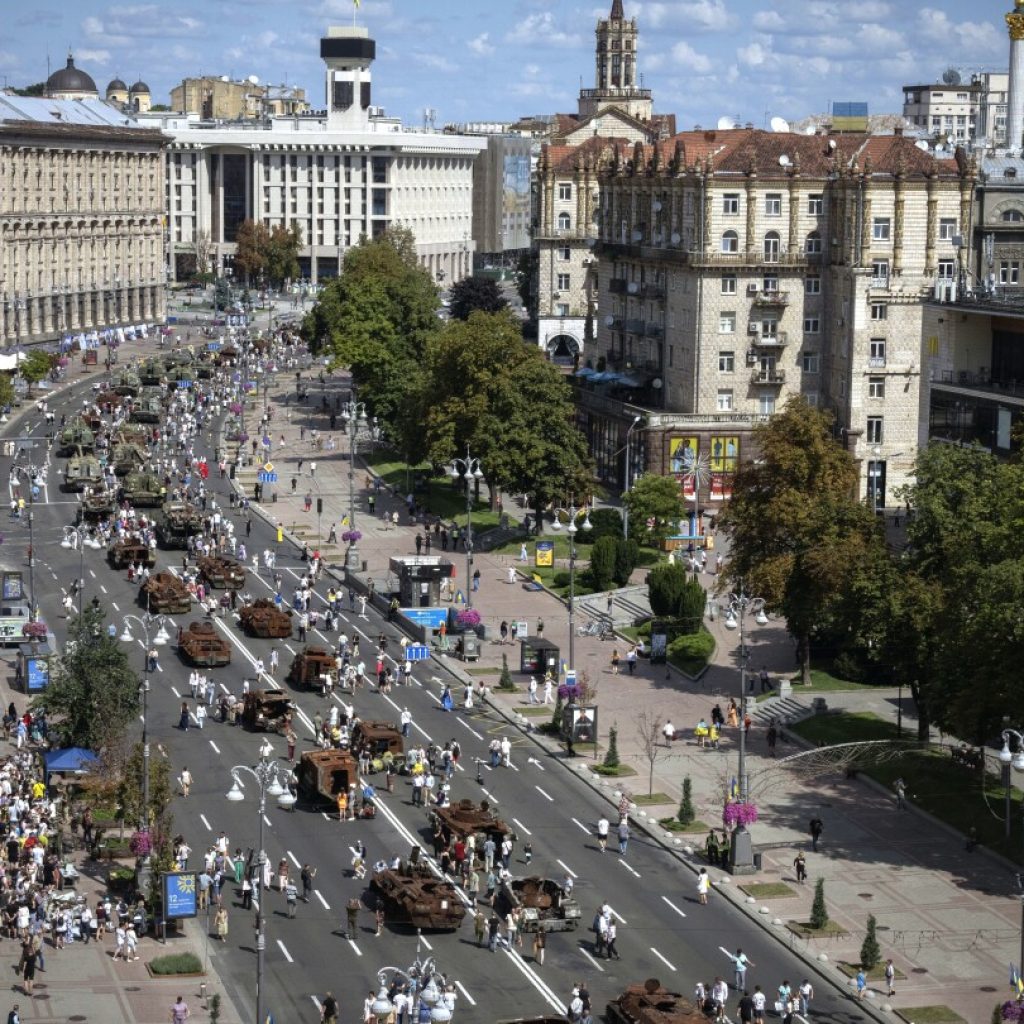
726	123
922	145
780	125
784	161
811	129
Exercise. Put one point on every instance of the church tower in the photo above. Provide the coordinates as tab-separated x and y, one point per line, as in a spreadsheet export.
616	70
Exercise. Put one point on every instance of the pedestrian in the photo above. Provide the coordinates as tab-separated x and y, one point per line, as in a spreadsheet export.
631	660
745	1008
772	736
760	1001
890	977
539	942
183	717
766	683
801	867
476	579
703	885
291	895
329	1009
740	964
816	827
352	918
492	932
806	994
180	1011
503	630
611	933
862	983
615	661
185	781
14	1017
602	833
479	927
623	836
307	875
291	739
220	923
200	715
901	793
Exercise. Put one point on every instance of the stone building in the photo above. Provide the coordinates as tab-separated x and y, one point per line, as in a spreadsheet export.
737	269
81	218
219	98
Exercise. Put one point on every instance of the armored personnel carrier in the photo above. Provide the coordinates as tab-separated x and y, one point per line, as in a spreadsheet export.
264	618
97	505
323	774
201	644
266	710
309	665
151	372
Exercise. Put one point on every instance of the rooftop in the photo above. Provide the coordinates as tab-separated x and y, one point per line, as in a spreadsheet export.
78	112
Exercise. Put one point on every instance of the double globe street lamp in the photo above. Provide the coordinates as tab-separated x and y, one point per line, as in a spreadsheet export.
427	987
353	420
572	513
469	469
267	774
80	538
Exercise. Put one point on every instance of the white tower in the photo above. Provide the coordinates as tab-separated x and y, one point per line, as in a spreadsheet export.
1015	100
348	53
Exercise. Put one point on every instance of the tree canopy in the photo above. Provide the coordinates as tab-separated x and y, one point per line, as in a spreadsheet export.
655	507
268	253
473	294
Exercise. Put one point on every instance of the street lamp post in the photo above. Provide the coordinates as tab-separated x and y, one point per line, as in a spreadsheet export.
78	537
267	776
739	605
629	476
1010	760
469	468
572	513
353	415
426	985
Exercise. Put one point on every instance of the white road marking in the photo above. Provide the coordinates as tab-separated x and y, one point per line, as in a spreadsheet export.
662	959
618	917
673	906
629	868
316	893
294	859
469	999
535	980
267	821
92	574
568	869
522	826
103	588
534	761
290	649
591	959
358	951
550	799
489	796
317	1003
581	825
202	818
216	749
174	690
466	725
288	955
425	943
114	606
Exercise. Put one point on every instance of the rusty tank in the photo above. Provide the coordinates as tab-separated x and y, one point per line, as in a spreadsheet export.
413	895
222	573
266	710
309	665
649	1003
323	774
97	506
175	523
128	552
465	818
381	739
544	904
164	593
264	618
201	644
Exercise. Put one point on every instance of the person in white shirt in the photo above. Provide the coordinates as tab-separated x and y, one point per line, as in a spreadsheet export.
719	994
602	832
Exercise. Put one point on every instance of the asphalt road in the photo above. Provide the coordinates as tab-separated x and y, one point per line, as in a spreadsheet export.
663	932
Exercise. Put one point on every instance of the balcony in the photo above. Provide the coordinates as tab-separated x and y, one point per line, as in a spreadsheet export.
628	92
876	362
635	326
652	291
772	377
776	340
771	298
567	234
617	285
879	284
653	330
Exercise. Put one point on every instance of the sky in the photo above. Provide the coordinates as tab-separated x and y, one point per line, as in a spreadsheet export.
496	60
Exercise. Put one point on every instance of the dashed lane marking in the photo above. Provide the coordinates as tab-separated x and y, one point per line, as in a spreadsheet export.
202	818
590	958
550	799
489	796
670	966
426	943
326	905
618	917
673	906
358	951
466	725
216	749
294	859
522	826
629	868
568	869
288	956
469	999
581	825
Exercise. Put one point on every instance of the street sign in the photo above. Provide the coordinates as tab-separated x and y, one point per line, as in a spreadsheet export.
184	385
266	441
268	466
417	652
266	478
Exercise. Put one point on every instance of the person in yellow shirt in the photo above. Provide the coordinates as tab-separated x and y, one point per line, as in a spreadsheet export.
38	790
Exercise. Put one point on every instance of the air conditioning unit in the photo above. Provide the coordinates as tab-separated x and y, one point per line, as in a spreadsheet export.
753	328
751	357
752	288
633	287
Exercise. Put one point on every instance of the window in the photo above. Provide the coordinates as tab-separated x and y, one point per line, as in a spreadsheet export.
772	247
815	205
730	242
564	190
1009	272
1012	216
947	269
561	309
563	282
728	284
812	325
564	254
769	329
874	432
770	282
724	403
773	204
726	362
812	285
880	272
880	229
876	352
564	222
809	362
879	311
731	203
766	403
727	323
876	387
813	244
947	228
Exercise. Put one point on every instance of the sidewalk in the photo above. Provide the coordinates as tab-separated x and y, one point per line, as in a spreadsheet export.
949	919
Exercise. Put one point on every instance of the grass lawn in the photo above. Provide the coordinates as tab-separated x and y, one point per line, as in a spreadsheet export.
651	799
930	1015
620	771
824	682
675	825
954	794
877	973
768	890
533	710
805	931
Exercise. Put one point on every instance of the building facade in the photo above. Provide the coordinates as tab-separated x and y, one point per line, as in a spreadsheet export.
347	172
738	269
81	219
219	98
970	113
502	197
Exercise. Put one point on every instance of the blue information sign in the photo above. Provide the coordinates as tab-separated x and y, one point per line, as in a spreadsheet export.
417	652
266	478
213	346
37	672
184	384
179	892
434	618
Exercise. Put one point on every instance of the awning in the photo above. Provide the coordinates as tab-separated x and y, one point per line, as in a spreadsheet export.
70	759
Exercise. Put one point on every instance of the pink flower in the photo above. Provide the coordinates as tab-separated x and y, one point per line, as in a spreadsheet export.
736	813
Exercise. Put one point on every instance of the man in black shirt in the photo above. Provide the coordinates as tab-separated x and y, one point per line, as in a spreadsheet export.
746	1009
329	1010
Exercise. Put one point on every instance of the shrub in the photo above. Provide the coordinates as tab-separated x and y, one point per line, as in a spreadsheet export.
694	647
560	579
556	717
870	951
604	522
819	912
627	552
665	586
611	757
505	681
686	813
692	602
602	562
176	963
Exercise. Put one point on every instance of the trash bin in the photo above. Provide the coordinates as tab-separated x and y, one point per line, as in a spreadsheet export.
757	861
470	646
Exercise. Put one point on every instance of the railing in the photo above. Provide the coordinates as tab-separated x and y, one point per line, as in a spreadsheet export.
652	291
653	330
776	340
616	91
577	234
760	376
876	362
879	283
771	298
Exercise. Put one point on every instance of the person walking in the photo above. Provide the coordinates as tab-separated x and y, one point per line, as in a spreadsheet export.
816	827
329	1009
890	976
291	895
800	864
352	918
615	661
740	963
307	874
703	886
220	923
602	833
806	993
772	736
180	1011
610	935
291	739
900	787
862	983
185	782
623	837
539	944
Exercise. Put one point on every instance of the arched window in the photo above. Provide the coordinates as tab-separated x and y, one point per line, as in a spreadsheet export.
772	247
564	222
730	242
1013	216
813	243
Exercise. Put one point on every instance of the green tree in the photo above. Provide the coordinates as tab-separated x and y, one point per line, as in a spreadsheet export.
690	611
281	256
797	533
251	245
665	585
526	277
686	812
870	951
602	563
505	681
130	786
6	390
611	755
476	293
627	554
819	912
93	692
655	507
36	365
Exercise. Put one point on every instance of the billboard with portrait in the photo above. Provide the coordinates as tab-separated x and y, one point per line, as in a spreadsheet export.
682	457
725	455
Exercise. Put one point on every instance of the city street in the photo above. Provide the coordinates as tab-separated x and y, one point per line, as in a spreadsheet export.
663	931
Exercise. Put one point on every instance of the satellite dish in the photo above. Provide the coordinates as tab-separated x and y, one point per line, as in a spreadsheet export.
784	161
657	206
832	144
253	79
656	383
726	124
922	145
939	149
780	125
676	238
810	129
951	76
609	320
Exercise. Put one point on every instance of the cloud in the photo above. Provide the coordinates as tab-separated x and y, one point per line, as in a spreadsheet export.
692	61
768	21
539	30
694	15
85	56
753	56
973	38
434	61
481	45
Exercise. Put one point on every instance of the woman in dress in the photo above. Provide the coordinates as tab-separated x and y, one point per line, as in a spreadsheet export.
220	923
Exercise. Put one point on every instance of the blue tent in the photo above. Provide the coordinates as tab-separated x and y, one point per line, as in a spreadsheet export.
70	759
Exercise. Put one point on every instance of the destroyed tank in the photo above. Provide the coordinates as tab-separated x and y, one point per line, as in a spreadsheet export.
97	506
151	372
127	382
309	665
264	618
323	774
77	436
649	1003
82	471
148	407
126	552
544	904
201	644
127	458
164	593
175	523
266	710
222	573
413	895
465	818
143	490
